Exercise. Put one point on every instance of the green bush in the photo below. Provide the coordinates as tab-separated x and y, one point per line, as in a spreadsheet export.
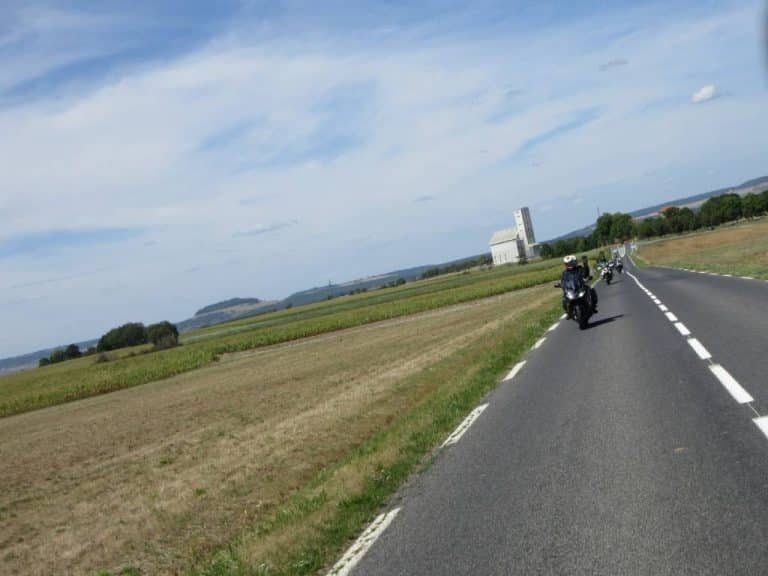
130	334
163	334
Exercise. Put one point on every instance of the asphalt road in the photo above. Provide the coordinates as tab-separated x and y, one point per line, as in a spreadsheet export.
613	451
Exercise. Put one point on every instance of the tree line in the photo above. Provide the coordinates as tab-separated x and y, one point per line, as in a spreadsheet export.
161	335
482	260
619	227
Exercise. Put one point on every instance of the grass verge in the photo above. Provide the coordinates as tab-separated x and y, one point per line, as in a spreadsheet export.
307	533
57	384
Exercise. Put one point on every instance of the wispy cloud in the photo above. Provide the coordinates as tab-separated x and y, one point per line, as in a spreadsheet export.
52	240
704	94
424	198
265	229
578	119
615	63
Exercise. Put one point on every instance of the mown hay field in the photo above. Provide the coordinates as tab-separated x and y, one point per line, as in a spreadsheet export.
56	384
266	461
740	249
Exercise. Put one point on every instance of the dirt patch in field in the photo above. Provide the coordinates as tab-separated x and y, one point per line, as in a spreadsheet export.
158	476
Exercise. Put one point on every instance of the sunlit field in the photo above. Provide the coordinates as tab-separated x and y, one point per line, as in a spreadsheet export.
740	249
85	377
270	457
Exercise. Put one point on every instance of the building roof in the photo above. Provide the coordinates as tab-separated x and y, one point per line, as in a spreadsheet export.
501	236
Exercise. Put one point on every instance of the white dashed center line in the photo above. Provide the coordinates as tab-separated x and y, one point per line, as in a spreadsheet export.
762	423
682	329
729	382
699	349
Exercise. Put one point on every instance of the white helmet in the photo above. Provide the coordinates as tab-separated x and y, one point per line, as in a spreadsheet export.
570	260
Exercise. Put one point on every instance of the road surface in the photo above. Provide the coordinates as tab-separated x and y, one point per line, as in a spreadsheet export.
624	449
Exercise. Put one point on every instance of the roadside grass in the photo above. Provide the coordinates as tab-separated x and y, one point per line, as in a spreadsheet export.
68	381
740	249
312	529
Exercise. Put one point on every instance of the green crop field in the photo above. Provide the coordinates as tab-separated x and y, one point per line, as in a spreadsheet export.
69	381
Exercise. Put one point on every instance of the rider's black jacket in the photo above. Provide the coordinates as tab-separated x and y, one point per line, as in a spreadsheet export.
572	278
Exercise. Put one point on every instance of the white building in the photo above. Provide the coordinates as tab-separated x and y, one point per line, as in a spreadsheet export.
509	245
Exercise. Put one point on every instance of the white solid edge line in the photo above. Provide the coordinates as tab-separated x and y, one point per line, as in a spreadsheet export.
682	329
747	277
762	423
555	325
464	426
671	317
515	370
729	382
539	342
356	552
564	316
663	308
727	275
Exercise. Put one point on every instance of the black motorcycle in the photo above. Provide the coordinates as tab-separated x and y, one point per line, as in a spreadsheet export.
619	266
577	301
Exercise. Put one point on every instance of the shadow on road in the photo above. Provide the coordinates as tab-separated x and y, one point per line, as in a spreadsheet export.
602	321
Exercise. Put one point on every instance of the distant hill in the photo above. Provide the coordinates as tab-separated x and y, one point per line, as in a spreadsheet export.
225	311
227	304
693	202
16	363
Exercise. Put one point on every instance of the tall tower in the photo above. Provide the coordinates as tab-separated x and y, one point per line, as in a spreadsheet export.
525	226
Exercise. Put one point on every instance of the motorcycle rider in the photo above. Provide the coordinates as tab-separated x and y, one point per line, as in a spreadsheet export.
573	275
585	268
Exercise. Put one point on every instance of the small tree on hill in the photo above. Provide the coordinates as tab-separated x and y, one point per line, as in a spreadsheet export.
71	352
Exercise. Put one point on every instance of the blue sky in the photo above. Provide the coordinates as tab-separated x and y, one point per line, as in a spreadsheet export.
159	156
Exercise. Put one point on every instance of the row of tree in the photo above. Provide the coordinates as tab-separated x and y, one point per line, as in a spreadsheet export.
162	335
619	227
69	353
716	210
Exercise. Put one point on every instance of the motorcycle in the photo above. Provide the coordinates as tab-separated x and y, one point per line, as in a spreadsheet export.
577	302
619	266
606	273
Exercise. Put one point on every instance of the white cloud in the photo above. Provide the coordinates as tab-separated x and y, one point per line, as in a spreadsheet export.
200	147
707	92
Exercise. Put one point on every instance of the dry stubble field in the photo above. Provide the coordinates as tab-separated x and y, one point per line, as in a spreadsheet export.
160	476
740	249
